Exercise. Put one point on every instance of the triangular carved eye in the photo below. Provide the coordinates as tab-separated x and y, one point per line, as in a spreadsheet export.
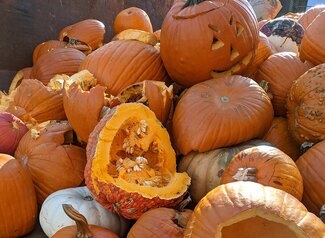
231	19
216	44
239	28
233	54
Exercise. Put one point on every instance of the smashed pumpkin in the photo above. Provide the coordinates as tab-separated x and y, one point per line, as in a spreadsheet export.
20	75
131	164
46	47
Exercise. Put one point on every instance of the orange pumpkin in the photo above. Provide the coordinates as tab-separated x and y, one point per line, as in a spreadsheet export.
265	165
122	63
280	78
86	35
219	113
18	213
200	39
132	18
312	45
247	209
310	15
81	229
66	61
131	164
279	136
311	165
46	47
306	106
49	152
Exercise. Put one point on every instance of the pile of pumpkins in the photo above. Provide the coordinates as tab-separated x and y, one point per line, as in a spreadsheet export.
213	126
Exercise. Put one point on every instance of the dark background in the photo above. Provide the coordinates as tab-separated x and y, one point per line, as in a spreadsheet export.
26	23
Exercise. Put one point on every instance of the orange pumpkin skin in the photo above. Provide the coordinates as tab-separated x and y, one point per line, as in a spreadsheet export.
311	165
310	15
306	106
34	102
18	212
86	35
46	47
160	222
122	63
221	106
272	168
97	232
279	78
312	45
132	18
210	38
279	136
57	166
66	61
252	210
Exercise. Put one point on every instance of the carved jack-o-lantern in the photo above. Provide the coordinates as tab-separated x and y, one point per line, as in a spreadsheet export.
200	39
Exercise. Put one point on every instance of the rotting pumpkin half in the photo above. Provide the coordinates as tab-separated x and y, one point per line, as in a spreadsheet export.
131	164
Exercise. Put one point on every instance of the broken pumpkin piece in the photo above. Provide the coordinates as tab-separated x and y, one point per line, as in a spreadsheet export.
131	164
20	75
133	34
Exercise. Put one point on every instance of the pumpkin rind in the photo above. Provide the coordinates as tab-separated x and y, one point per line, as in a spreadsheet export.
20	75
311	165
58	165
112	184
233	109
204	39
280	78
46	47
18	211
271	168
306	106
253	210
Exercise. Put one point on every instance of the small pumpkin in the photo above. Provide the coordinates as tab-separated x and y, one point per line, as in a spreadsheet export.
312	46
311	165
81	229
46	47
18	211
131	164
83	102
207	168
203	39
307	17
279	78
249	209
52	217
66	61
265	165
279	136
306	106
122	63
132	18
232	110
86	35
12	130
49	153
20	75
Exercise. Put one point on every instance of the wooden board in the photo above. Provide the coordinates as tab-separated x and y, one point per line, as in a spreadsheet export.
25	24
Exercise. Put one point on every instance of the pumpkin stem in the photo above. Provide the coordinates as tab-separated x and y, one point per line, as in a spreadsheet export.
83	230
322	214
246	174
180	207
192	3
180	220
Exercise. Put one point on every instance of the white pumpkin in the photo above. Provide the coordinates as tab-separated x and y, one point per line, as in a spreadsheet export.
52	217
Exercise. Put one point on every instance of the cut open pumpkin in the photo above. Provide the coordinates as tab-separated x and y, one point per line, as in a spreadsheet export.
131	164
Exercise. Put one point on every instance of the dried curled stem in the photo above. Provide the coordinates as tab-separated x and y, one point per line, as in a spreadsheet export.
192	3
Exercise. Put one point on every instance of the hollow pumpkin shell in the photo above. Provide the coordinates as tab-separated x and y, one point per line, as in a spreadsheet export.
219	113
253	210
46	47
131	164
20	75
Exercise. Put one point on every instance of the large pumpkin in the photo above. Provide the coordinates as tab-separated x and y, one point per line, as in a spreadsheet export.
306	106
309	16
49	153
279	136
280	78
131	164
121	63
312	166
248	209
207	168
219	113
312	46
52	217
200	39
265	165
18	211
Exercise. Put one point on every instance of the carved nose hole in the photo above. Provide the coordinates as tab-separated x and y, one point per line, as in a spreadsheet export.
216	44
233	54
